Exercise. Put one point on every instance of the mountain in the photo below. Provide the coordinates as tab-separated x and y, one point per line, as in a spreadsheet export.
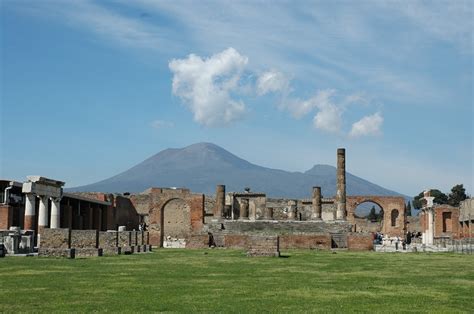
200	167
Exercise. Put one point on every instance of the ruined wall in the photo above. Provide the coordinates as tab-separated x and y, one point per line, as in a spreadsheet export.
365	225
160	198
125	213
6	217
360	241
305	241
446	221
84	238
388	205
177	217
282	227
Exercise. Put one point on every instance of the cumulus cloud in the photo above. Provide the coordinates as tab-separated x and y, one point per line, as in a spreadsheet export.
368	125
272	81
328	118
206	86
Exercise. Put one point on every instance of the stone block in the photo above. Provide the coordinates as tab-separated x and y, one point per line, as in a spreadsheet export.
88	252
51	252
107	239
263	246
111	251
84	238
124	238
55	238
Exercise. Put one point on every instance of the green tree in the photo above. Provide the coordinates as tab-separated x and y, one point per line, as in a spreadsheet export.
458	194
372	215
408	209
439	198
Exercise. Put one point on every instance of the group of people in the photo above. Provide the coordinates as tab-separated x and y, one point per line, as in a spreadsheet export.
379	237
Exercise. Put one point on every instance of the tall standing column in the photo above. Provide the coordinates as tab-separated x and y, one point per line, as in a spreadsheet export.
430	227
341	184
220	201
55	213
316	203
43	212
291	210
30	211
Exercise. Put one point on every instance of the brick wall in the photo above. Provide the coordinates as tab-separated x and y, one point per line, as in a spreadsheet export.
236	241
305	241
6	216
199	241
446	221
263	246
360	241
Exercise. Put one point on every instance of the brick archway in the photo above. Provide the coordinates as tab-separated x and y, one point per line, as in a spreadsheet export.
388	205
162	197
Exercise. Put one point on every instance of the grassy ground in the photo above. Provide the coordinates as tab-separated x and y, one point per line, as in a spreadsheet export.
228	281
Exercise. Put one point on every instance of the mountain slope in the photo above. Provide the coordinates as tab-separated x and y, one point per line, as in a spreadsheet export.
200	167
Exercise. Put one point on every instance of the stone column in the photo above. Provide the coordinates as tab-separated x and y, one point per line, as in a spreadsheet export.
30	211
341	184
430	235
43	213
55	213
291	210
317	204
220	202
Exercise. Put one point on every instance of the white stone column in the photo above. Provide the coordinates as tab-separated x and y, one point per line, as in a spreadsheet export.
430	234
43	212
55	213
30	211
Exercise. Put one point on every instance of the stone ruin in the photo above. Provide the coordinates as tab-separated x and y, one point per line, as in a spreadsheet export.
86	224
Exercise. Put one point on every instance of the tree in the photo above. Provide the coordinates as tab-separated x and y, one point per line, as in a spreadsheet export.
458	194
439	198
372	215
408	209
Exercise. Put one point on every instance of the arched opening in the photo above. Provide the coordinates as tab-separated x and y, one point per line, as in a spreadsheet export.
175	223
368	217
394	216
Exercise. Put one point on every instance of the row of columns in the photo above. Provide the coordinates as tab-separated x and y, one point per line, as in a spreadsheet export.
316	196
30	212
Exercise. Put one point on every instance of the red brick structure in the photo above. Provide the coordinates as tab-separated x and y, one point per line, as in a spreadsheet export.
162	203
360	242
394	222
446	222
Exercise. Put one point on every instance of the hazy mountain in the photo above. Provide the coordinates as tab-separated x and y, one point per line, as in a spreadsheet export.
200	167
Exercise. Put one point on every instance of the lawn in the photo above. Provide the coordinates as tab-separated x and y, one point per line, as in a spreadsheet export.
227	281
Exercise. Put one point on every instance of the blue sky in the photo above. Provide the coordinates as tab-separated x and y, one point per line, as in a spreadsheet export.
91	88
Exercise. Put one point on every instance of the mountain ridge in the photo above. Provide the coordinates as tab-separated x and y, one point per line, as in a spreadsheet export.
201	166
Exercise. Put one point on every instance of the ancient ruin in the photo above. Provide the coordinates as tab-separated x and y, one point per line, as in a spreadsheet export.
92	224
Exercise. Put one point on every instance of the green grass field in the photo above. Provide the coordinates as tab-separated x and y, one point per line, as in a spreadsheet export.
228	281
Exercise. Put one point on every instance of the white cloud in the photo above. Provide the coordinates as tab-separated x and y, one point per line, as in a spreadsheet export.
160	124
368	125
329	115
272	81
205	86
